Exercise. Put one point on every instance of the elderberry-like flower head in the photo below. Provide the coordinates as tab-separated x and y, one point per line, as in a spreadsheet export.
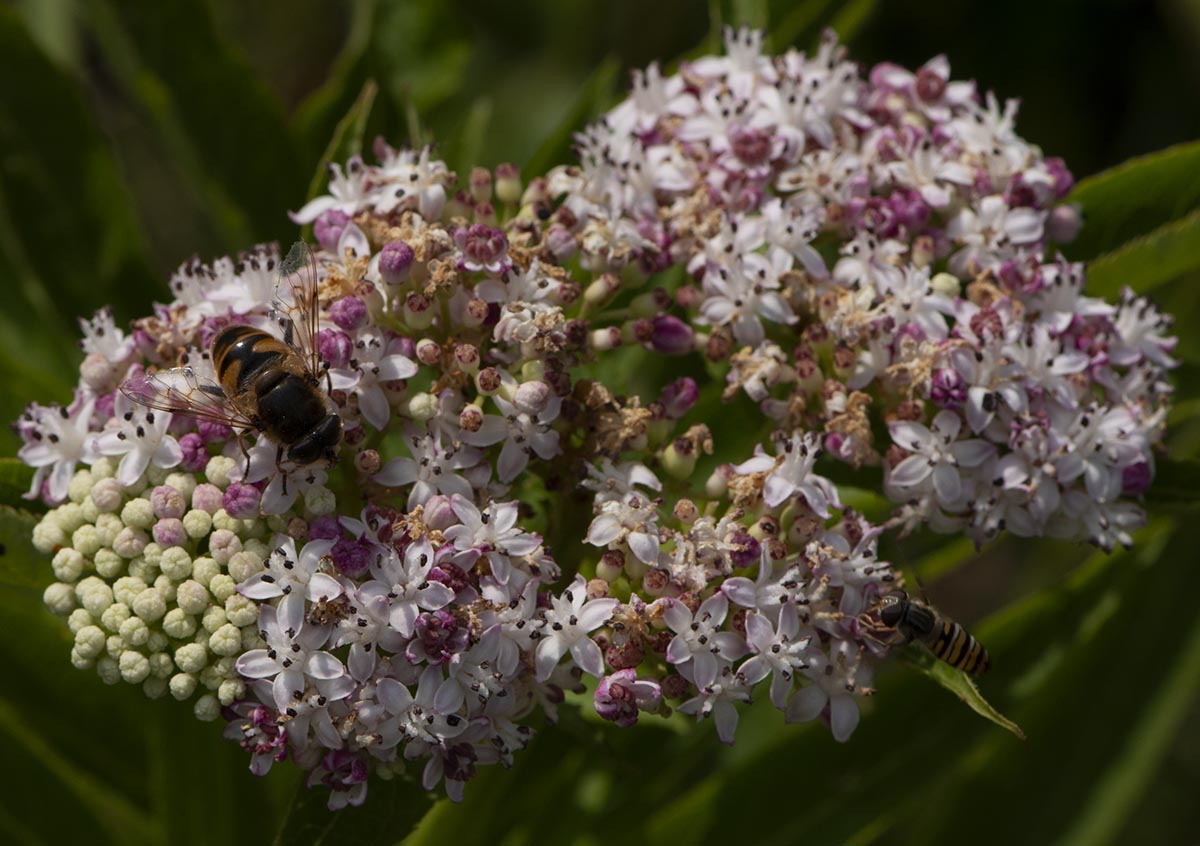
537	491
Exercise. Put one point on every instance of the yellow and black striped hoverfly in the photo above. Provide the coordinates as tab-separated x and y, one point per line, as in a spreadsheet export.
945	638
263	383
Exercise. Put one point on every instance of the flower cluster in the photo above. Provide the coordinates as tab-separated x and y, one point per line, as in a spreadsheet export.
869	251
518	506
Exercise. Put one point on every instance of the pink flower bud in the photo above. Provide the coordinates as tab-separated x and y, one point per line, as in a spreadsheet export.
349	313
395	262
328	228
167	501
532	397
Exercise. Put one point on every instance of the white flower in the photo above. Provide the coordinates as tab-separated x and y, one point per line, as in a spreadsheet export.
613	482
699	640
348	192
287	480
472	676
140	439
406	586
371	365
632	520
912	299
294	577
937	453
793	230
531	287
791	474
523	435
58	440
102	337
865	259
492	533
569	620
768	593
778	652
716	699
292	658
1142	329
927	169
411	179
1098	444
367	628
516	627
414	720
1045	365
433	469
1105	524
990	232
832	681
1060	299
743	292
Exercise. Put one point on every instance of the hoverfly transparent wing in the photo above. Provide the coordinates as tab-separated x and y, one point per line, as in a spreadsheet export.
297	308
181	391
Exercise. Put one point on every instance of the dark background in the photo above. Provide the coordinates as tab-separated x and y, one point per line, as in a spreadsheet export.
135	134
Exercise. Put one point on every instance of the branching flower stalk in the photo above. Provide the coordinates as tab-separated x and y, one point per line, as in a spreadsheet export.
869	260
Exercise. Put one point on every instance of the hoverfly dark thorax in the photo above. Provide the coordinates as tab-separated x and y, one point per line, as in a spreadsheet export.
268	380
263	383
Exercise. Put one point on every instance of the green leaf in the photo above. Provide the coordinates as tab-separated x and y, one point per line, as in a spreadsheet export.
1175	483
962	686
1125	781
1149	261
21	566
851	17
1136	197
208	112
69	241
592	98
316	118
392	810
347	137
123	821
800	19
15	478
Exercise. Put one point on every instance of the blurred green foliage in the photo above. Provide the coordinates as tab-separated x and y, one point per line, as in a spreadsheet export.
134	133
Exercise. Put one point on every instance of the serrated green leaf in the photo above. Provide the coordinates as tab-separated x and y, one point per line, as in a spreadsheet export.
962	686
1136	197
1148	261
393	809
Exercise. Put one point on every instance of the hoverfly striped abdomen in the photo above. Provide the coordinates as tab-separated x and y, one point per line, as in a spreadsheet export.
958	648
946	639
264	383
240	353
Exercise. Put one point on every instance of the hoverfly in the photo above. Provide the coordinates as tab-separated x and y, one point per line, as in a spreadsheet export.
263	384
945	638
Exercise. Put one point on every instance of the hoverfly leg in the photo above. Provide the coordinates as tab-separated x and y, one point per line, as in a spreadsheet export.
279	467
242	445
